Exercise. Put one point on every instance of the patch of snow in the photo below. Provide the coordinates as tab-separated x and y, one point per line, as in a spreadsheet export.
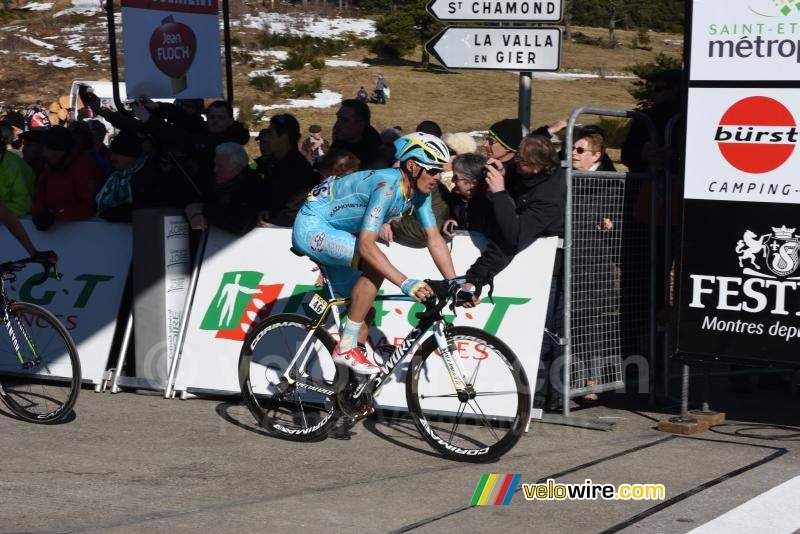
75	42
100	58
323	99
76	29
344	63
311	25
281	79
82	7
55	61
570	76
38	6
37	42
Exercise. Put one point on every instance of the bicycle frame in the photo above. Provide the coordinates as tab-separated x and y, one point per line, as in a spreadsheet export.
432	326
4	316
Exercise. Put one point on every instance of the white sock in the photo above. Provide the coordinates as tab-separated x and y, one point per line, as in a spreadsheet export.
349	337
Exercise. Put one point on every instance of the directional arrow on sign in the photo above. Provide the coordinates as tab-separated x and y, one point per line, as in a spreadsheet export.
522	49
497	10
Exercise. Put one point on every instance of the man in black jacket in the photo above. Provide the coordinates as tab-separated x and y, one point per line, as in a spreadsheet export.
526	207
353	132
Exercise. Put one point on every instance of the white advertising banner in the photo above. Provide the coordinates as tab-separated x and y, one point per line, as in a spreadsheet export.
745	40
94	257
172	48
741	145
270	279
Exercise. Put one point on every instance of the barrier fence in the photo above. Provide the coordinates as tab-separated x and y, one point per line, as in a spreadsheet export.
609	265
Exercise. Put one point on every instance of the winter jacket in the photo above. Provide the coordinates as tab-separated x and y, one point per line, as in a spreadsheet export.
531	208
234	205
16	183
70	187
286	184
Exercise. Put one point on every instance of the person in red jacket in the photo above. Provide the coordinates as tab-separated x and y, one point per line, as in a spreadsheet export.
67	189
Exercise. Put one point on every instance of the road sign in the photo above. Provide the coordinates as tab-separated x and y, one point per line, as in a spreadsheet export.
522	49
497	10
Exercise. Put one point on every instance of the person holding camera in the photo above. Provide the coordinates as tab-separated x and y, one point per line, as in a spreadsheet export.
527	205
470	210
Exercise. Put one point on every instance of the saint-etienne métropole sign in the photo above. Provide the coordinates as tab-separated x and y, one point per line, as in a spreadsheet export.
740	272
507	48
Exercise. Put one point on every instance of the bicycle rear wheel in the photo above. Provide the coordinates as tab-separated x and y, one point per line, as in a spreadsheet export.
301	411
483	424
43	387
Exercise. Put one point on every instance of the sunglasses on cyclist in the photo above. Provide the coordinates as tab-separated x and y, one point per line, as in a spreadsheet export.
433	171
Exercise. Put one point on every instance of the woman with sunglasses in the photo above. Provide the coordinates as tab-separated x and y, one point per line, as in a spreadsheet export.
339	226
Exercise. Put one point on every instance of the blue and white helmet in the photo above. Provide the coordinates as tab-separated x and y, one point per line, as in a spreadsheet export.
426	149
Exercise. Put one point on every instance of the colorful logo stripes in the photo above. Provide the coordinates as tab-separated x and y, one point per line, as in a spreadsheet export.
495	489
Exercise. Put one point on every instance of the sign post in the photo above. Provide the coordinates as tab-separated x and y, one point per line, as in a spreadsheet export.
523	49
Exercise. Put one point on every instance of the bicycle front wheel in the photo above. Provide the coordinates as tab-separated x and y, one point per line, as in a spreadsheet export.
40	373
481	423
302	406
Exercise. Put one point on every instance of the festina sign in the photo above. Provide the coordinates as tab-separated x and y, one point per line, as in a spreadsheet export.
497	10
522	49
740	285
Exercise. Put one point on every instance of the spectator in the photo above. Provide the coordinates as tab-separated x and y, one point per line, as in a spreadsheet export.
381	89
469	208
503	141
99	132
85	139
460	143
39	118
338	163
354	133
362	95
33	151
16	177
288	177
17	123
430	127
67	189
314	146
589	154
237	196
133	184
263	145
533	207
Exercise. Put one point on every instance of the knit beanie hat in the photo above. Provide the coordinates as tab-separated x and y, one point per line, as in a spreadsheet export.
509	132
126	143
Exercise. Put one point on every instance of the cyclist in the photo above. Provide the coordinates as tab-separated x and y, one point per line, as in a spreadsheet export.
338	227
15	228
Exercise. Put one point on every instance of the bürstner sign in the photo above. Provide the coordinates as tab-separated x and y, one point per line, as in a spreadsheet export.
497	10
523	49
746	40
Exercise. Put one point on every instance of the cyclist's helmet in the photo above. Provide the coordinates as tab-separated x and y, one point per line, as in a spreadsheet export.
426	149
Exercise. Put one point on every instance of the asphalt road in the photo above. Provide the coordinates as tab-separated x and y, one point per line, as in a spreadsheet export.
131	462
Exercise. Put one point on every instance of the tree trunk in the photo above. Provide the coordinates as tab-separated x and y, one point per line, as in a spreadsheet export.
568	20
426	58
612	23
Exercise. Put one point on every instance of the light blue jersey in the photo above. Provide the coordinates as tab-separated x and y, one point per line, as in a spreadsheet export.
366	200
338	209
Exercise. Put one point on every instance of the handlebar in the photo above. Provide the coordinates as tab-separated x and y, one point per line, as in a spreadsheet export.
444	292
12	267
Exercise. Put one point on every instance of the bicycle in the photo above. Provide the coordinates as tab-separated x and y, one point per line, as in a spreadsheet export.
295	391
41	377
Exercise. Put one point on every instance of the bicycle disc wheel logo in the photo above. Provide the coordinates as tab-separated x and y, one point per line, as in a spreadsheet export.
757	134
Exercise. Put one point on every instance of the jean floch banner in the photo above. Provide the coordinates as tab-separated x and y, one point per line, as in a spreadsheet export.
739	297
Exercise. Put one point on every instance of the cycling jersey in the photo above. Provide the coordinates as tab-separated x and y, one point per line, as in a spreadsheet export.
338	209
365	201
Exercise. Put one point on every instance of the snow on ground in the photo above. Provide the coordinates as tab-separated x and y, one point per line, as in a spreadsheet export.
100	58
311	25
74	42
37	42
55	61
38	6
576	76
281	79
323	99
344	63
81	7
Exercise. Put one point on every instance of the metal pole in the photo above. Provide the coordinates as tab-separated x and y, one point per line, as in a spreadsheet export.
524	111
567	266
123	351
684	416
226	26
187	306
112	50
